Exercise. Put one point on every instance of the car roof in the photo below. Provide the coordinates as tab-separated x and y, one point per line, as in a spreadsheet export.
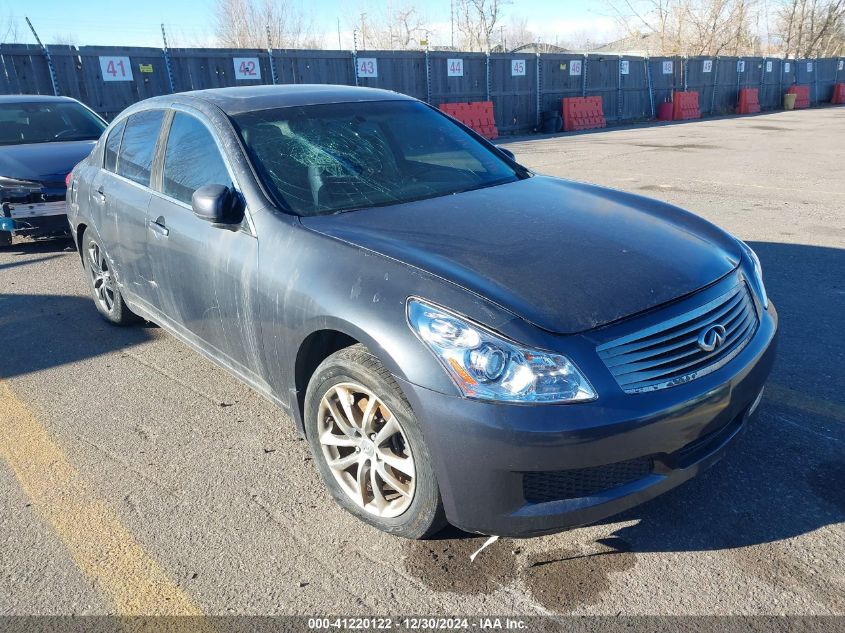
237	100
34	99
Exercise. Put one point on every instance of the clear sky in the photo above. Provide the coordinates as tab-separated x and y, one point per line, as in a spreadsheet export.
190	22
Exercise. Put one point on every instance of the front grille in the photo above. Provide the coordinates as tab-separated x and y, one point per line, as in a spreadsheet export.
669	354
558	485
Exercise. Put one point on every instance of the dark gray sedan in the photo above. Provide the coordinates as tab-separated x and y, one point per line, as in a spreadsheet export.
458	339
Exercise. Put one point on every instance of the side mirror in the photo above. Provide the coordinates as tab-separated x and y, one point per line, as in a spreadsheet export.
216	204
507	153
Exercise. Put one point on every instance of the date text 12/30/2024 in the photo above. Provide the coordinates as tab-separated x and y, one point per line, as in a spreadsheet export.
413	624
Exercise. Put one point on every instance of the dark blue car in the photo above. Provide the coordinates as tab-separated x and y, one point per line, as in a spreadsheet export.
458	338
41	139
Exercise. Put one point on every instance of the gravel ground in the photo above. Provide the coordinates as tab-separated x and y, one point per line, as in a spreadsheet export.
120	449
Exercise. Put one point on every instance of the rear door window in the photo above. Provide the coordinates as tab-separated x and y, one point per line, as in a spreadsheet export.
112	146
191	159
138	147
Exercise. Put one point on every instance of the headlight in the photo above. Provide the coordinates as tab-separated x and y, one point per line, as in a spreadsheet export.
758	273
484	365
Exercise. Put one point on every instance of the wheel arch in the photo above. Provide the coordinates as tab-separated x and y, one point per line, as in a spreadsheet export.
317	346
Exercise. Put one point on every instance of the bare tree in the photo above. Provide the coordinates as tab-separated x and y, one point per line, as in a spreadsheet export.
812	28
8	28
517	33
691	27
391	28
245	24
476	21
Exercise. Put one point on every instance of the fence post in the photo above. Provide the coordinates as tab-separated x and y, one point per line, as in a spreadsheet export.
685	71
53	78
270	55
355	56
584	76
816	79
761	99
167	65
650	85
487	73
427	76
619	88
539	87
715	85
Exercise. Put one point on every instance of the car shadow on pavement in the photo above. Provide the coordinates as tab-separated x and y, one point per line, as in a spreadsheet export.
782	479
785	476
43	331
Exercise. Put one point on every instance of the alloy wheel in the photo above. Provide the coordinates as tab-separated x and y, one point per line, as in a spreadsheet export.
101	277
366	450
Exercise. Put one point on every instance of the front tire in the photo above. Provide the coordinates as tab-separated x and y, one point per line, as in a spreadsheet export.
103	285
368	446
5	239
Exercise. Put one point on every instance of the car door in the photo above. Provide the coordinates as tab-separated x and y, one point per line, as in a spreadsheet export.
204	273
126	196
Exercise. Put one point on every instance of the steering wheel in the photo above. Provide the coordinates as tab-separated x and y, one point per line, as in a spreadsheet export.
62	133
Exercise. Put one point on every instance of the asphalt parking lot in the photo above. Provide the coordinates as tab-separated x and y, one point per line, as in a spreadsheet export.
138	478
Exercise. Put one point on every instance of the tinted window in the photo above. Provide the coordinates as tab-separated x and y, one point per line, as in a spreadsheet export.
138	147
336	157
112	145
22	123
191	159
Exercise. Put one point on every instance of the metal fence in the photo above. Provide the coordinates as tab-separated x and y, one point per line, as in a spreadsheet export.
523	87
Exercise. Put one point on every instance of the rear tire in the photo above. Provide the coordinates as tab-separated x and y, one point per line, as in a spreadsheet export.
104	288
5	239
368	446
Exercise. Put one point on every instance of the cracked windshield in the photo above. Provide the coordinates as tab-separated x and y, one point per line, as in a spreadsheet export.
329	158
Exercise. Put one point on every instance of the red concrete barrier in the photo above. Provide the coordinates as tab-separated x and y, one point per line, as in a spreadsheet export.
477	115
838	94
749	102
802	96
685	106
582	113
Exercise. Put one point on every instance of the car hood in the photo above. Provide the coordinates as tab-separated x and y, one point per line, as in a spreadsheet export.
42	162
564	256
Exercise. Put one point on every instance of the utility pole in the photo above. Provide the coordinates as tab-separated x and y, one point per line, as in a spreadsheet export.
452	20
363	31
50	67
338	34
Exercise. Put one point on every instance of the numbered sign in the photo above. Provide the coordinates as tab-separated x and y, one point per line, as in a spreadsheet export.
809	67
517	68
575	67
841	64
786	67
624	67
367	67
708	66
740	66
667	67
247	68
454	68
115	69
769	66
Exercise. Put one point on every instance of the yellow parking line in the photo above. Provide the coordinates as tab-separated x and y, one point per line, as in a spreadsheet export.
90	530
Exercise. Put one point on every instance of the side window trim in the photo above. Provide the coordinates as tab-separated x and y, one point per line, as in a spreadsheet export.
158	164
120	123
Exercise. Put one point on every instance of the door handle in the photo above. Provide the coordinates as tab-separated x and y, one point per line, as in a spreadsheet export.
99	196
158	227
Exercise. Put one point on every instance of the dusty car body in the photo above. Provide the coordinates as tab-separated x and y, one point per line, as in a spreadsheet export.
538	353
41	139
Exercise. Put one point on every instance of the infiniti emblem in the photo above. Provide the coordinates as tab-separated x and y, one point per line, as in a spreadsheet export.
711	338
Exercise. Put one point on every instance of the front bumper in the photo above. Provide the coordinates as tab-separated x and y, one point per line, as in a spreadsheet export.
483	451
34	218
